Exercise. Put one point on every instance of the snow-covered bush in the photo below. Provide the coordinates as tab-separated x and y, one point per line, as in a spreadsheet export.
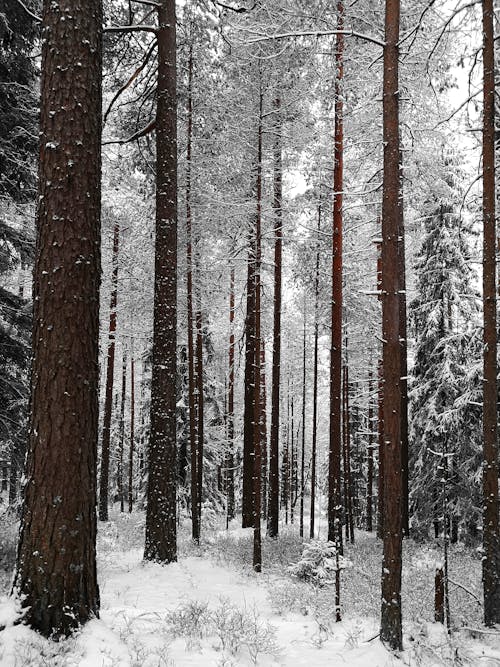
190	620
319	563
295	597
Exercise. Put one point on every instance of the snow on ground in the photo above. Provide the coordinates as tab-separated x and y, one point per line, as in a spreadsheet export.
209	609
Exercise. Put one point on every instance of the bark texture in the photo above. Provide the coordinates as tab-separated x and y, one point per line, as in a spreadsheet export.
390	627
491	534
56	568
161	541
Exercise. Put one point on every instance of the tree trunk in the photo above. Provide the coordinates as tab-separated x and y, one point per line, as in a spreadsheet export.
257	472
110	371
390	628
335	444
491	534
380	416
303	438
195	524
369	484
56	567
404	363
315	387
132	436
273	506
121	433
349	495
201	409
263	427
230	406
161	539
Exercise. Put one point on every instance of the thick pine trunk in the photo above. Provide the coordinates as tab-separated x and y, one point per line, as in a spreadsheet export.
273	505
56	566
491	534
161	539
390	628
110	371
335	443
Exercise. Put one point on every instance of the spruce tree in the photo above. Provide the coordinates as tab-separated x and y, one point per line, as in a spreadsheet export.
446	383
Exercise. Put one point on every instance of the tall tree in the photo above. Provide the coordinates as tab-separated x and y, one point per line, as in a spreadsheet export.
56	568
161	540
315	386
273	505
335	445
491	528
230	404
110	372
390	624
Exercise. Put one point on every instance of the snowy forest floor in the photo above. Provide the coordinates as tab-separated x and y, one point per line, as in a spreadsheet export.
210	608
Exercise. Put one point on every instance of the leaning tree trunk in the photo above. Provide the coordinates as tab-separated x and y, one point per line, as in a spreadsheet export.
390	624
274	485
110	371
161	539
491	533
56	565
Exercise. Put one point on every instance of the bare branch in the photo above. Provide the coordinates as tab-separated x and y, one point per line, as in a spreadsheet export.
238	10
317	33
129	28
130	81
150	127
150	3
30	13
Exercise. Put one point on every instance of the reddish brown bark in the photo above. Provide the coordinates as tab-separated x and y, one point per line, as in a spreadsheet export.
273	505
56	567
390	624
110	370
335	443
491	531
161	540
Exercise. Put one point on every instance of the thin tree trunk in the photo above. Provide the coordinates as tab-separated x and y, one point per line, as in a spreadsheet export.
195	524
390	624
121	433
404	363
132	435
247	512
293	460
303	439
56	560
369	486
335	444
315	387
263	427
347	459
161	525
201	410
110	371
380	417
273	505
491	532
230	405
257	472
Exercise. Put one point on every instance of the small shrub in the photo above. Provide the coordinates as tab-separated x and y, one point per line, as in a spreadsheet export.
190	620
259	636
228	624
294	597
318	564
